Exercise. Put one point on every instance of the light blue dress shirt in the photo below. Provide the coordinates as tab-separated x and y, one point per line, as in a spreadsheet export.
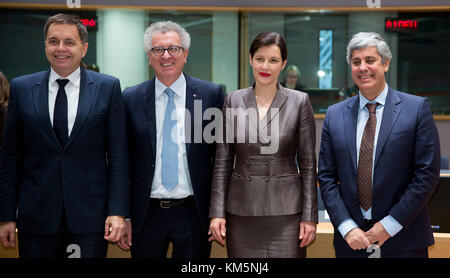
389	223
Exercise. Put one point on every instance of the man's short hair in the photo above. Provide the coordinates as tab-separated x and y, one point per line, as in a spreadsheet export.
364	40
67	19
164	27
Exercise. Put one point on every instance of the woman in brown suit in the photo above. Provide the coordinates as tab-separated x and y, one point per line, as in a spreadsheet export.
260	201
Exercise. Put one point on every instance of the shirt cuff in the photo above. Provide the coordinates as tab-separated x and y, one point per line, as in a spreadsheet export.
391	225
346	226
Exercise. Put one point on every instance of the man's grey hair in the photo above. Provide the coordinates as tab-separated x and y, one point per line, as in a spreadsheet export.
164	27
364	40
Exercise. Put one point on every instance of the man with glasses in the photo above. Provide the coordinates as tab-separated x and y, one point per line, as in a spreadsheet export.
170	176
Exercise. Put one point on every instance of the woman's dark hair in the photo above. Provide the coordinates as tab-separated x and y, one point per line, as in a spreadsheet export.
267	39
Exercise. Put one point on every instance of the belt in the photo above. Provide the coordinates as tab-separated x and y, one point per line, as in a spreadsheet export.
172	203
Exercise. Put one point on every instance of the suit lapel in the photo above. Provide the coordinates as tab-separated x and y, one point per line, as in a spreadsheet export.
88	92
149	110
192	94
252	111
350	118
390	115
277	103
40	99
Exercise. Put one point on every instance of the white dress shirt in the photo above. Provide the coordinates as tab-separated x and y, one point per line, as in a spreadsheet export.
72	89
184	187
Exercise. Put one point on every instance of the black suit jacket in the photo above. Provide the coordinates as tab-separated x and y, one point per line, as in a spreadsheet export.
140	113
89	176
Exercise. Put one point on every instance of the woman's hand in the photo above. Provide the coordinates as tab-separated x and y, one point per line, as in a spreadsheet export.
217	230
307	233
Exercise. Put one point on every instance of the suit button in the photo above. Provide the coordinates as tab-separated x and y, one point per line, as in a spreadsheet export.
249	178
267	162
267	178
153	165
248	161
64	155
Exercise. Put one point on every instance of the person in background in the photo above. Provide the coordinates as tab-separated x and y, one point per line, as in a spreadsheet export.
260	202
292	78
4	95
378	162
93	67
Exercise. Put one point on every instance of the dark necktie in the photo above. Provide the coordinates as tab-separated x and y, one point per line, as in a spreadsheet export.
60	124
366	159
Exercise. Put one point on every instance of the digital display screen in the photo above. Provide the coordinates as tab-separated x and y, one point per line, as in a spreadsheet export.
399	25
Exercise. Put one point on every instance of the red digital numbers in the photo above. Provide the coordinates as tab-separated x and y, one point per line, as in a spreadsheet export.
88	22
400	24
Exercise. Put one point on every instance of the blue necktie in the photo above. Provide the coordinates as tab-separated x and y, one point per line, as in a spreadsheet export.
169	156
60	124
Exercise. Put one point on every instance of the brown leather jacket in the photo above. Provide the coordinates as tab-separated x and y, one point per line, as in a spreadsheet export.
247	182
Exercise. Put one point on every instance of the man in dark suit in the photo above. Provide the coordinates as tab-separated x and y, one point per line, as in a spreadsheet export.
379	162
171	168
65	164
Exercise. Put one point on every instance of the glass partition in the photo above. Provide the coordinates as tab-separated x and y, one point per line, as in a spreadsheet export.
316	40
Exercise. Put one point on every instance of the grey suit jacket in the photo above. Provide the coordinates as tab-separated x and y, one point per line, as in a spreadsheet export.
248	182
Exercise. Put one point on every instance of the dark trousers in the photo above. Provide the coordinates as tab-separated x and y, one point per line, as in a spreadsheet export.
179	225
63	244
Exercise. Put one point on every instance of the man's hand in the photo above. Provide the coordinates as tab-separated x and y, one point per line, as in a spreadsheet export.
114	228
307	233
8	233
378	234
357	240
125	241
217	230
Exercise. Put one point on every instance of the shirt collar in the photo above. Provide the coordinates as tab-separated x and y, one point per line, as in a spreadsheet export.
74	77
381	98
178	86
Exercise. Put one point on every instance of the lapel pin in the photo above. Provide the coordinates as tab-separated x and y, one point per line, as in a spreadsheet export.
195	95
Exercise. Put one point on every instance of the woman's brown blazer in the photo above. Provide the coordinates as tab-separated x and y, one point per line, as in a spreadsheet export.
248	182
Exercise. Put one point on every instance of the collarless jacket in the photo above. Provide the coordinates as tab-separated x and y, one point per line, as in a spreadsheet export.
255	172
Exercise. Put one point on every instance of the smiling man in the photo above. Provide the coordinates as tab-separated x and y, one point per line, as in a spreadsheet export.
170	178
65	165
379	161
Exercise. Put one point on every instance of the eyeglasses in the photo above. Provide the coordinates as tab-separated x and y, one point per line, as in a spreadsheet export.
173	50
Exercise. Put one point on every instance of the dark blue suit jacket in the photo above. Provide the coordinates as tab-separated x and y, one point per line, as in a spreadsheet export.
140	111
89	177
406	172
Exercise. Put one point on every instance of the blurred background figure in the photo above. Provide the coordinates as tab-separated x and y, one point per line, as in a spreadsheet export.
93	67
4	94
292	78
